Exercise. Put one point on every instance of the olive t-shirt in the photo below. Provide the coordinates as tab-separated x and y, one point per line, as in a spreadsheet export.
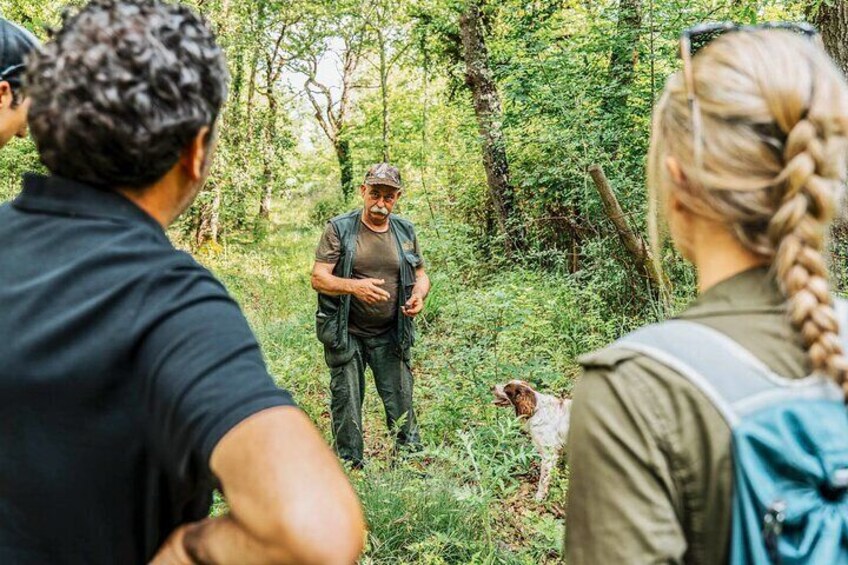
649	455
376	258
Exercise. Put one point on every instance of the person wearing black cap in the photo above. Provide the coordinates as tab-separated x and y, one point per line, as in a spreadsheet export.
371	283
15	45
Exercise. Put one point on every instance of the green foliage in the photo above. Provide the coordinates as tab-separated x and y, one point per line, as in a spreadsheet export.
422	520
36	16
327	208
17	158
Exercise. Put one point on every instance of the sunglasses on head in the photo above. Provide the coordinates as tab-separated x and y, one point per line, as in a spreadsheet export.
695	38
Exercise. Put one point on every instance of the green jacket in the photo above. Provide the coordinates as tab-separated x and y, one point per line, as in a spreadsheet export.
333	311
650	475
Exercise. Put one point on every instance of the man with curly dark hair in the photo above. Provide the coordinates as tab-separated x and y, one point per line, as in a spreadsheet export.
15	44
131	383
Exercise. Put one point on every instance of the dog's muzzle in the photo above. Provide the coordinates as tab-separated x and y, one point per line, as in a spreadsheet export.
501	399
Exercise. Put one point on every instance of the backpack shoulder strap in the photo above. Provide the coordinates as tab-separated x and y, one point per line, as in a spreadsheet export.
730	376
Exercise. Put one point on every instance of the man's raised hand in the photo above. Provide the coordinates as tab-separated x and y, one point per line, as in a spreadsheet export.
369	291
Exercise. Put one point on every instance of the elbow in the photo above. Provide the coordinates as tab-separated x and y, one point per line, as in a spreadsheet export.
343	550
338	539
316	282
348	535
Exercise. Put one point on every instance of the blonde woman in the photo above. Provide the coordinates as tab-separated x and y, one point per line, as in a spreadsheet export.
746	170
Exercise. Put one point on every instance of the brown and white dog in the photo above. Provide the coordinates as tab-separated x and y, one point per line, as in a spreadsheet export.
545	417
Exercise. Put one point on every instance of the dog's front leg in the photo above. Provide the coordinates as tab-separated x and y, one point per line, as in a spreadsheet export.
549	458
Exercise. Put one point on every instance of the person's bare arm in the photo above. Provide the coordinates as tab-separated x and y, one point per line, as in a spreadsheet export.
368	291
415	304
289	500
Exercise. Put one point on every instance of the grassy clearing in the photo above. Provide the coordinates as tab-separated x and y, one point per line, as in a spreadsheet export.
468	497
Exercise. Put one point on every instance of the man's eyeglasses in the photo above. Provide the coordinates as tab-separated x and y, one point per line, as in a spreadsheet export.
697	37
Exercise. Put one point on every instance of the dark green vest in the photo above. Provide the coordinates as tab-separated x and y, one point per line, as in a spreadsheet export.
333	311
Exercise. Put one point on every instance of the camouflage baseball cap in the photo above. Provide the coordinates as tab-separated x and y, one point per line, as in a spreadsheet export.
383	174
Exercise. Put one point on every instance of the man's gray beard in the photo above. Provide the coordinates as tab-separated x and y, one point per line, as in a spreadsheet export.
377	210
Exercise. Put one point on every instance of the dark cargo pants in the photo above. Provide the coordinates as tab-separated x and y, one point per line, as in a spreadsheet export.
393	378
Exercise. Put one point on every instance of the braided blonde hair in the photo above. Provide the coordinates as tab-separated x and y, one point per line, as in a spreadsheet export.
774	121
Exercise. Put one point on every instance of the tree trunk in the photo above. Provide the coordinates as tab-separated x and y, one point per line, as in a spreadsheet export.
269	151
622	66
267	178
625	53
268	182
265	203
384	91
268	154
215	216
831	18
251	84
209	221
238	80
487	107
342	147
832	21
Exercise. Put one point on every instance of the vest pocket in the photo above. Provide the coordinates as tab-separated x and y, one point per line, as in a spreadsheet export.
326	327
413	258
412	261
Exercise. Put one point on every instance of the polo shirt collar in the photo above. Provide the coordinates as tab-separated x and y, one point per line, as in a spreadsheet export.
59	195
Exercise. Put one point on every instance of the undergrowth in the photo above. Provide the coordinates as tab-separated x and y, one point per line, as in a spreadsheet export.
467	498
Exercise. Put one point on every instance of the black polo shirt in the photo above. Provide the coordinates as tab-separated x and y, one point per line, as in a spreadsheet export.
122	363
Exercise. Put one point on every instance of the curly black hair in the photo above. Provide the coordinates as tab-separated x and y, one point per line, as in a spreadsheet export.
121	89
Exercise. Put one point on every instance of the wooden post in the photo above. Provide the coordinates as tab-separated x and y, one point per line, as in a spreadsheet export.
632	241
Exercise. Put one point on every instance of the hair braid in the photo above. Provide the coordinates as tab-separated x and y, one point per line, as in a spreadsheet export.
797	231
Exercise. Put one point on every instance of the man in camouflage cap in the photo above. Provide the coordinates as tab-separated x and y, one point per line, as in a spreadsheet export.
371	284
15	44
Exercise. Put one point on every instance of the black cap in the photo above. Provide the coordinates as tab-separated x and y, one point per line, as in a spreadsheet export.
15	44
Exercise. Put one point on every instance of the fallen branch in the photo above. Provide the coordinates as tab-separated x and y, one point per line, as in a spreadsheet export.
632	241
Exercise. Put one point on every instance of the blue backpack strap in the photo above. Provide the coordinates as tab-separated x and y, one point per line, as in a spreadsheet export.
734	380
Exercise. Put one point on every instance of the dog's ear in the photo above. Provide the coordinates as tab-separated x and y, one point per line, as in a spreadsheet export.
523	399
525	403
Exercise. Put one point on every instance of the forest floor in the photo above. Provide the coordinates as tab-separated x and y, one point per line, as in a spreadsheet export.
468	498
